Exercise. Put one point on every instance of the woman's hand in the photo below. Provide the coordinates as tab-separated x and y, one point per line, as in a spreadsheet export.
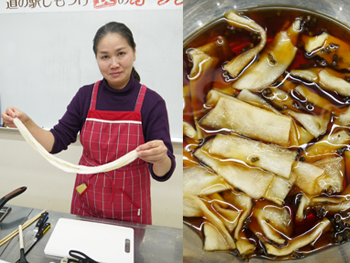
10	114
45	138
155	152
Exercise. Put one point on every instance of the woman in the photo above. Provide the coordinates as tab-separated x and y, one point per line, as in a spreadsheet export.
114	116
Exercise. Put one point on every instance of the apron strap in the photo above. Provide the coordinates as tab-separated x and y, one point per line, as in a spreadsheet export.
94	95
140	98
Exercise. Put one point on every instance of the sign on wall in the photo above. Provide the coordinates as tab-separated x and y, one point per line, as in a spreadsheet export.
24	6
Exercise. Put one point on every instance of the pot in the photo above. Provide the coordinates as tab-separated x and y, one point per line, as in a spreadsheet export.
196	15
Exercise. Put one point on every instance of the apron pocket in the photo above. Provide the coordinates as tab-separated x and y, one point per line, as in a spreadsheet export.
96	200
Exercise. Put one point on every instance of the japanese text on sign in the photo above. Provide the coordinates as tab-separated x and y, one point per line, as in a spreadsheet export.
43	5
14	4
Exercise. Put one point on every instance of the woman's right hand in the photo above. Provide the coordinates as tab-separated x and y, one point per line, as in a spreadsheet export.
10	114
44	137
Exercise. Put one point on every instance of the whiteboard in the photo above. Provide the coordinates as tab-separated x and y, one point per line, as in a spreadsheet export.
47	57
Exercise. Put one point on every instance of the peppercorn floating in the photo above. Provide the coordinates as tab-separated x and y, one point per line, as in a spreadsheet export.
266	125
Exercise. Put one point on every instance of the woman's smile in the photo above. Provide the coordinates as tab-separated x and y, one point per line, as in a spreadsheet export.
115	74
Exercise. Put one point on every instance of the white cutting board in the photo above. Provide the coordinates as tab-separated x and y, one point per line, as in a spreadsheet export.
101	242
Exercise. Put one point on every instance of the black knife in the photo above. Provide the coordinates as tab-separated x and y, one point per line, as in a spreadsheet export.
42	231
41	221
11	195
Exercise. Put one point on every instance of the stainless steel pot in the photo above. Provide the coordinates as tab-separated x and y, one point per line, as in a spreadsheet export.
197	14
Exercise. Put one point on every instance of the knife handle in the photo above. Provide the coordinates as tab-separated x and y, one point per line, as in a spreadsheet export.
41	221
38	236
42	231
11	195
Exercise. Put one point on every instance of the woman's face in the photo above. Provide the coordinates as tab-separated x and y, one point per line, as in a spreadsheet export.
115	59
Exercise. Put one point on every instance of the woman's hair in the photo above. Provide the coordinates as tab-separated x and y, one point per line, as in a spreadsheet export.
119	28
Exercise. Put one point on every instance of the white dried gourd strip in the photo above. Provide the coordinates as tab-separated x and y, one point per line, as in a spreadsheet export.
329	81
299	241
248	120
190	206
69	167
313	44
243	244
270	157
279	188
251	98
201	62
213	98
307	177
317	45
275	222
304	202
329	200
244	203
332	179
252	181
235	66
278	98
327	146
228	216
327	78
315	124
344	119
194	203
299	135
197	180
213	239
344	206
306	74
189	131
314	98
204	58
336	203
273	61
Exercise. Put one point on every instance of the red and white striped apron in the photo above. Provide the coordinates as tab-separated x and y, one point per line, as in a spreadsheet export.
122	194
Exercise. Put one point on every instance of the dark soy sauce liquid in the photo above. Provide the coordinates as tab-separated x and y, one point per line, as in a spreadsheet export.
273	20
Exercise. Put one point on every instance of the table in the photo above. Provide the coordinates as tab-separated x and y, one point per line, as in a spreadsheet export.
152	243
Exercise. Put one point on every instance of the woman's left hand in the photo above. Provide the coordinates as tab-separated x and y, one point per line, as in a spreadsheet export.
155	152
152	151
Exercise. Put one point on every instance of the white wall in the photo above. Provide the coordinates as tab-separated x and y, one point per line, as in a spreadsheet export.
46	57
50	188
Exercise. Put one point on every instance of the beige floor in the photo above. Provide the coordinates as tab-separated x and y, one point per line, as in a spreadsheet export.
50	188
